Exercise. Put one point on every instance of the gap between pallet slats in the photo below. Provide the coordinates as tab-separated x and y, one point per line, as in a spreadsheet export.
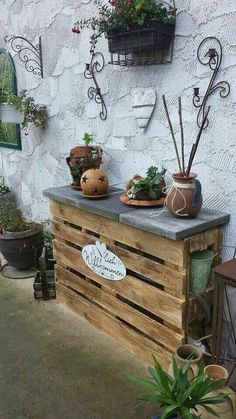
122	333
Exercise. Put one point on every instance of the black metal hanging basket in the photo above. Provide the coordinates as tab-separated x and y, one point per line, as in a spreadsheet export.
151	40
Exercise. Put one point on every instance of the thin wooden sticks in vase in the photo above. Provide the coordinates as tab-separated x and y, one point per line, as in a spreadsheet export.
182	170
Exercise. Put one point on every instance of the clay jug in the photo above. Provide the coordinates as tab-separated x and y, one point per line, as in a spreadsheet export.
226	409
184	199
183	353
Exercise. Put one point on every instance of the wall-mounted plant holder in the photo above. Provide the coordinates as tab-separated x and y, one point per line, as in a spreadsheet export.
29	54
153	44
96	65
211	58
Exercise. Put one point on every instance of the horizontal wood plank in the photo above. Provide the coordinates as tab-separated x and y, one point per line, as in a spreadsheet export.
160	303
166	249
169	277
126	336
204	240
150	327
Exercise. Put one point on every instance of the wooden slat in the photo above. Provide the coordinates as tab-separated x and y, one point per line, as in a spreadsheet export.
166	249
203	240
164	305
126	336
150	327
168	276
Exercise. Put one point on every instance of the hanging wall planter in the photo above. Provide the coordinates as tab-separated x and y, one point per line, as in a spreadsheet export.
9	114
140	32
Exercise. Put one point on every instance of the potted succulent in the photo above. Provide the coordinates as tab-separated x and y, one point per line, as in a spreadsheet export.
131	26
148	188
177	396
22	110
83	158
21	241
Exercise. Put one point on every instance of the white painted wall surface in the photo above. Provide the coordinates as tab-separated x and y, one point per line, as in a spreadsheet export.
41	163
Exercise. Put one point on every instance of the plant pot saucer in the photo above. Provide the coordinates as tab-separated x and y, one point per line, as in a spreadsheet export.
16	273
141	202
76	187
95	196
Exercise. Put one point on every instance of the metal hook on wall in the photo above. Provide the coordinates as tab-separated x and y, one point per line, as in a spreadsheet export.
213	59
29	54
96	65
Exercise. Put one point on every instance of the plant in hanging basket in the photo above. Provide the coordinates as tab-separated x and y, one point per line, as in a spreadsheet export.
21	241
132	26
83	158
21	109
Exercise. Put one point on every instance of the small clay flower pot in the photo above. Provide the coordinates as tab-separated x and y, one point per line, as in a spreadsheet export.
184	199
216	372
83	158
182	354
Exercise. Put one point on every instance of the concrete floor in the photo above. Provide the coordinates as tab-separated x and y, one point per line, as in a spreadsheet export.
53	364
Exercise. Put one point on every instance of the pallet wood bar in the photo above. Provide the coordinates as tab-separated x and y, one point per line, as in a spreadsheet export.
150	310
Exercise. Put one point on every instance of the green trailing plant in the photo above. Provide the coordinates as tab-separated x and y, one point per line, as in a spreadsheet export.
33	113
151	185
178	394
124	13
87	138
11	218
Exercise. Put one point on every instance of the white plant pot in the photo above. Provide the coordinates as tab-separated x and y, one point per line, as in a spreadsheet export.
10	115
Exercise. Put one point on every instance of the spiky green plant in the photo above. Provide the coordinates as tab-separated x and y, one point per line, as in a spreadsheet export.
178	394
151	185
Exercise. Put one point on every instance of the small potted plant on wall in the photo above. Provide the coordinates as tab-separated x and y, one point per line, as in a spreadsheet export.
83	158
21	241
21	109
131	26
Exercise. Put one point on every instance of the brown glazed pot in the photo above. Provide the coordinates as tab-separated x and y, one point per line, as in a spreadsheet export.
226	409
22	249
83	158
184	201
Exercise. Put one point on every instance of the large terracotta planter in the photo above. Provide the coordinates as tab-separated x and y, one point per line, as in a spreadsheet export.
22	249
183	353
83	158
226	409
184	199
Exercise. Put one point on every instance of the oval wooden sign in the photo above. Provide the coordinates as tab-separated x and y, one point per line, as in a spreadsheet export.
103	262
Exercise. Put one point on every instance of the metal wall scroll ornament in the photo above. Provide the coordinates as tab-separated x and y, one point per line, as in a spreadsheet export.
213	59
96	65
29	54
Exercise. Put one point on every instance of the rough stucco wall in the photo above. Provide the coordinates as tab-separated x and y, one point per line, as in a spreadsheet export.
41	164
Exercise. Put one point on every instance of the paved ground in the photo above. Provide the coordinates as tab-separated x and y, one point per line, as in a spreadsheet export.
53	364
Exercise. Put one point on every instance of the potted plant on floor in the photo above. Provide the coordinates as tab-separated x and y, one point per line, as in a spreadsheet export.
178	396
22	110
21	241
131	26
83	158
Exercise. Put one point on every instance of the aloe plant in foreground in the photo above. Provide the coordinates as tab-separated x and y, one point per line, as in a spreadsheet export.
178	394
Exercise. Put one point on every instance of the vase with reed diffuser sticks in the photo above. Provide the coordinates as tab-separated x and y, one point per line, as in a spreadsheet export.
184	196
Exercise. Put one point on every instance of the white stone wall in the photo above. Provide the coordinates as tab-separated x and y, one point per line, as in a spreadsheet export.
41	163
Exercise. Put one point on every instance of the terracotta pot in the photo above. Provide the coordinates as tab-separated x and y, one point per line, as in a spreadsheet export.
94	182
184	199
83	158
226	409
182	354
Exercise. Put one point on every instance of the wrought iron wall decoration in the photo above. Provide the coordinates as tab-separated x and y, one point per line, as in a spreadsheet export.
96	65
213	59
29	54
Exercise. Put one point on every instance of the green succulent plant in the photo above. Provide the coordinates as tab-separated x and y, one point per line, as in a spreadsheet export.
178	394
87	138
11	217
150	186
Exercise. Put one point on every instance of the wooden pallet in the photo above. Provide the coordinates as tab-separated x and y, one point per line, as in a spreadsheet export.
149	311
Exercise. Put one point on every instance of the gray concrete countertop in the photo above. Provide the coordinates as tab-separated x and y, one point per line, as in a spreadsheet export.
155	220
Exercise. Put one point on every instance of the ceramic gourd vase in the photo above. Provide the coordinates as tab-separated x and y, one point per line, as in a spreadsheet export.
226	409
183	353
184	199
